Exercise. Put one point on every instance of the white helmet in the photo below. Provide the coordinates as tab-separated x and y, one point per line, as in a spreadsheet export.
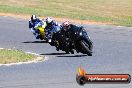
33	18
49	20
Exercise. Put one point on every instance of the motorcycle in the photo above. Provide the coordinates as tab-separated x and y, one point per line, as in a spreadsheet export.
59	40
81	41
62	43
40	27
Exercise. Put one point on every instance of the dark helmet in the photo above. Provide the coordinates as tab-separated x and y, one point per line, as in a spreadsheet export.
33	18
66	25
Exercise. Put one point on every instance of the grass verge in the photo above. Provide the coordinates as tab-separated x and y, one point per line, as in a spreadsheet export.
117	12
15	56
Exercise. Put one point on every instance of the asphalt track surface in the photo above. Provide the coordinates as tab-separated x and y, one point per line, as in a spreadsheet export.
112	53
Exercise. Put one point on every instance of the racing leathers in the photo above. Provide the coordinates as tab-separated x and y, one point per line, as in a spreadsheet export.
33	30
50	29
69	33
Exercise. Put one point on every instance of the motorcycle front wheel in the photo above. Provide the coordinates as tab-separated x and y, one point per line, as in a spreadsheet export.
85	48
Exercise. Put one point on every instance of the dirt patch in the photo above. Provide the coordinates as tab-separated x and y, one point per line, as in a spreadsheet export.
23	16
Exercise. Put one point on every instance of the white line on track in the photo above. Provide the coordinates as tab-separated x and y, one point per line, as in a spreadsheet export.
39	59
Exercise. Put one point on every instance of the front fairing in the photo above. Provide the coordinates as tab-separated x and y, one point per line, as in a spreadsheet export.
76	34
40	27
79	34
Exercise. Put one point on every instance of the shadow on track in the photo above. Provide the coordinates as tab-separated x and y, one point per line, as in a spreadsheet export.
35	42
74	56
53	54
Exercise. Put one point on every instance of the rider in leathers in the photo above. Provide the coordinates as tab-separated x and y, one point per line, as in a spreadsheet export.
32	22
69	29
50	28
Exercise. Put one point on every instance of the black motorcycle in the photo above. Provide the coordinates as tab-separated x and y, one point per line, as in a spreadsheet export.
61	42
81	41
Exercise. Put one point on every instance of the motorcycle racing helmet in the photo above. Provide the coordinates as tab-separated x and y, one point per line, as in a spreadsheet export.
49	20
66	25
33	18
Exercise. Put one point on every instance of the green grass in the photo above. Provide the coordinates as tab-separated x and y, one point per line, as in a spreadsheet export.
14	56
117	12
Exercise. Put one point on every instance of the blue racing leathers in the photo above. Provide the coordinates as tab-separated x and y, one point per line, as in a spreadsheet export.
51	28
33	30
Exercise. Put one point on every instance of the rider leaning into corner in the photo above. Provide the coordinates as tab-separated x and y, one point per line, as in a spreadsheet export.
69	29
51	24
32	22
